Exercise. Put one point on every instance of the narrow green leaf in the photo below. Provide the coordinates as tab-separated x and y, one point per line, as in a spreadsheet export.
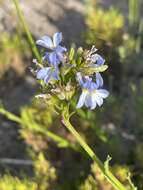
91	70
130	182
106	164
26	29
9	115
71	53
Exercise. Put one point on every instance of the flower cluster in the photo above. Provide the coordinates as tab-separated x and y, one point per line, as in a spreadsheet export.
54	54
67	71
91	94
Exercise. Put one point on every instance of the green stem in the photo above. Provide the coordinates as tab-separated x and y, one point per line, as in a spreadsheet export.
56	138
133	12
108	174
139	37
25	26
38	128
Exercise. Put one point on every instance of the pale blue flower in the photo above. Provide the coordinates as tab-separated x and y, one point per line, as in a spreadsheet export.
48	73
92	94
56	54
96	60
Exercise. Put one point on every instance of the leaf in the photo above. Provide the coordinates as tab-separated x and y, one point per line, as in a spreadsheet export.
91	70
71	53
106	164
130	182
9	115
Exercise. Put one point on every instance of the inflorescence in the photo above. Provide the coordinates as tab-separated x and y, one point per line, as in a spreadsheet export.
61	73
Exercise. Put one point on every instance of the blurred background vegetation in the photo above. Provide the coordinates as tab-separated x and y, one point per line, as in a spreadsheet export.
36	151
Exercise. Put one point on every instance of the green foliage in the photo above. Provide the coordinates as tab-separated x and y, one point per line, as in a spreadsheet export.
104	27
133	12
7	182
35	123
123	45
12	49
95	180
127	49
44	177
89	71
45	174
26	29
133	39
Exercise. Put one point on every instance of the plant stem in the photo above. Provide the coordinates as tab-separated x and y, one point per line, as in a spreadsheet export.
38	128
108	174
25	26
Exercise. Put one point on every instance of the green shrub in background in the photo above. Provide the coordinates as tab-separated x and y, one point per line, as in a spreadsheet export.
12	51
125	34
95	180
35	135
38	136
105	27
13	183
44	176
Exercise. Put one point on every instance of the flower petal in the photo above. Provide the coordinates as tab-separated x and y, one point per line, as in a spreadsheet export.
79	78
57	38
46	57
48	76
60	49
94	104
99	80
102	93
100	60
45	42
88	82
97	99
42	73
53	59
96	58
88	101
93	86
82	99
60	52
